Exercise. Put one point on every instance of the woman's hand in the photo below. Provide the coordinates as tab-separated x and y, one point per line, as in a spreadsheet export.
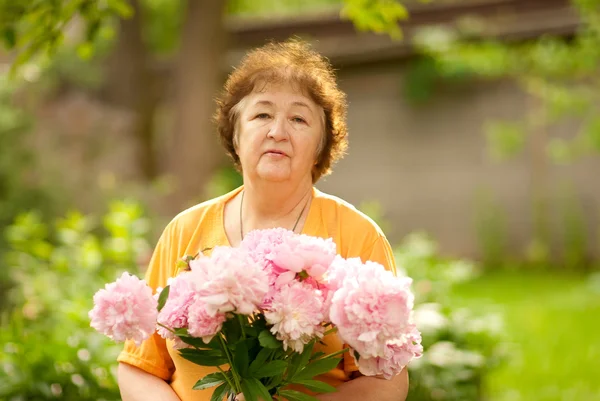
137	385
365	388
369	388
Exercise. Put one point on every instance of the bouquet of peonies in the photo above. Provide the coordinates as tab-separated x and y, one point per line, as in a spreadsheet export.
255	313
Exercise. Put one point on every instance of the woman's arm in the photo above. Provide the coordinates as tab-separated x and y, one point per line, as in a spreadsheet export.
137	385
366	388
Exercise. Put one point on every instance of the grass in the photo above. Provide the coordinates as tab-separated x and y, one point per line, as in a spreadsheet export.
552	324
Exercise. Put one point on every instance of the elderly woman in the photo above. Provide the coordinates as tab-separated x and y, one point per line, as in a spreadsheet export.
281	119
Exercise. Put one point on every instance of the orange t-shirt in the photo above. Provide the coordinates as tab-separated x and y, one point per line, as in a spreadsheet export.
201	227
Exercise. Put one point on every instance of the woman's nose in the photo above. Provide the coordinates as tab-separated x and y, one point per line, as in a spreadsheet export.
277	130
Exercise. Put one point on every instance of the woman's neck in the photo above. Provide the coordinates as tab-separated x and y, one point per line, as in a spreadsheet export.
268	205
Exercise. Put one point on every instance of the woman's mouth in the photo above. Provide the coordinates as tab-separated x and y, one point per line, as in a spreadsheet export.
275	153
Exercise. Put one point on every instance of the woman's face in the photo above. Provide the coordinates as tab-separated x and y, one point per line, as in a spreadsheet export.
279	132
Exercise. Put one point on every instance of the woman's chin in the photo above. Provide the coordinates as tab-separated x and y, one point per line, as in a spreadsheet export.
273	175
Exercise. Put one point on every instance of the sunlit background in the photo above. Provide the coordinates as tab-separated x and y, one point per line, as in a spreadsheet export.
474	143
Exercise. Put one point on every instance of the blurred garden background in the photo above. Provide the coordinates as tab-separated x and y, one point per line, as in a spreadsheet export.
474	143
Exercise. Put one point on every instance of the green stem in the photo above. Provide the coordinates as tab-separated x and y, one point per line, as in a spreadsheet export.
227	379
331	330
335	353
242	326
238	388
168	328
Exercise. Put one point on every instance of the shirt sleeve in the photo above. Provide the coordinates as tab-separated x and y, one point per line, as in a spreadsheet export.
380	252
152	355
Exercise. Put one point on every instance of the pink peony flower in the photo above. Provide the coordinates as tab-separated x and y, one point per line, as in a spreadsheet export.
337	272
260	245
298	253
229	280
371	307
174	313
125	310
340	269
296	313
398	353
202	324
284	254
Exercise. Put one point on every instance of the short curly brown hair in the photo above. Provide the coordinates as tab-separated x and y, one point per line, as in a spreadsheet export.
293	61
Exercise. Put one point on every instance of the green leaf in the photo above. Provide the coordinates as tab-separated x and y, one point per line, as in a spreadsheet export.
203	352
306	353
85	50
268	340
10	37
92	30
316	368
252	331
203	357
270	369
240	358
122	8
220	392
196	342
376	16
162	298
294	365
211	380
233	330
248	391
316	386
293	395
274	382
260	359
317	355
260	389
213	344
182	332
505	139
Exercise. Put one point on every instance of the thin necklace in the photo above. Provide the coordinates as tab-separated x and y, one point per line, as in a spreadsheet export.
241	224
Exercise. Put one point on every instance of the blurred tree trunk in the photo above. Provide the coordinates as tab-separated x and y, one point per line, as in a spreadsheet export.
131	84
194	151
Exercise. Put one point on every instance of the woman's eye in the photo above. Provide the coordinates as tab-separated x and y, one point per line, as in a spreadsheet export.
262	116
298	120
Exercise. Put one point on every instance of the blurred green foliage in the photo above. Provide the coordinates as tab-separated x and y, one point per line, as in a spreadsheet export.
224	180
375	211
492	233
559	74
547	326
460	347
14	155
49	349
21	184
379	16
39	27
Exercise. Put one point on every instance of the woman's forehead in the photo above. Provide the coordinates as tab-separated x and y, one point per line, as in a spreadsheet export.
276	93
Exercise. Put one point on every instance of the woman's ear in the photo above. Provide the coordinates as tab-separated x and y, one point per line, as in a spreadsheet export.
235	142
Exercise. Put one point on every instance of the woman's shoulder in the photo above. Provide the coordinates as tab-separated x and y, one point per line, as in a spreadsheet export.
341	212
355	233
207	213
